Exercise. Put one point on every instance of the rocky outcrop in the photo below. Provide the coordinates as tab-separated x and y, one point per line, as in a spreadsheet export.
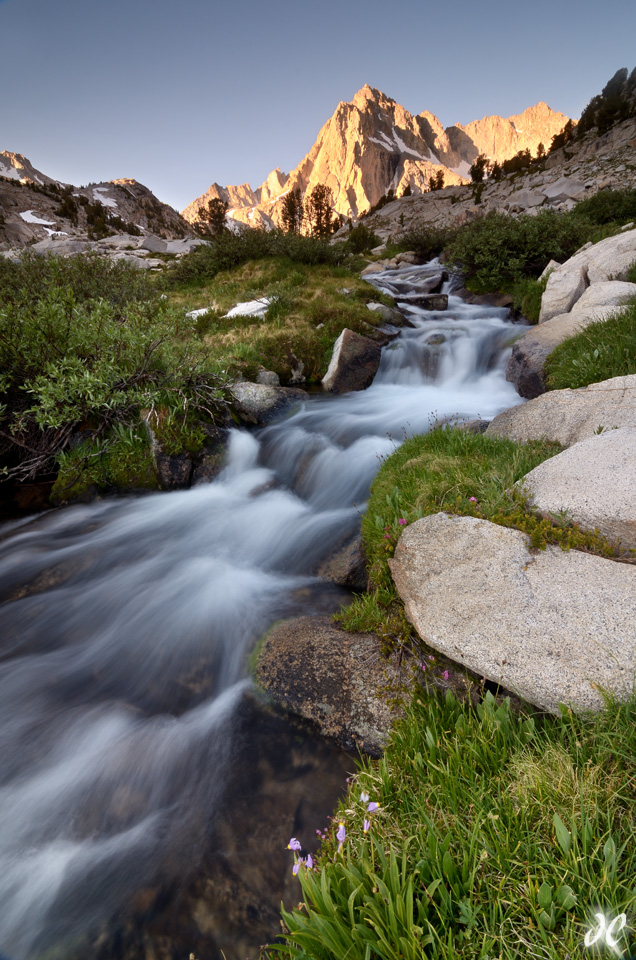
35	207
568	416
590	286
553	627
333	678
596	162
592	483
353	365
258	403
372	144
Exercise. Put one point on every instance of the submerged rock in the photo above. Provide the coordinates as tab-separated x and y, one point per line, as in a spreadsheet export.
334	678
553	627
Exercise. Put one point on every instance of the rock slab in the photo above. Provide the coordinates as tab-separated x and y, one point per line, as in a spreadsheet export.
568	416
593	481
329	676
552	626
353	365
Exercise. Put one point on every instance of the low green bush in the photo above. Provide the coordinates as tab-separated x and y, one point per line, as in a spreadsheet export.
361	239
608	206
230	250
427	242
497	251
90	277
605	349
70	364
496	836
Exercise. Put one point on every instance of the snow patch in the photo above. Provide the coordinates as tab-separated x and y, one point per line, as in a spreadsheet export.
381	144
29	217
251	308
403	147
462	169
55	233
99	194
195	314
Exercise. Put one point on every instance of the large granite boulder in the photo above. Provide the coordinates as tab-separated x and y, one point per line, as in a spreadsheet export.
610	259
552	626
565	188
599	302
593	482
353	365
568	416
564	287
333	678
258	403
389	314
347	565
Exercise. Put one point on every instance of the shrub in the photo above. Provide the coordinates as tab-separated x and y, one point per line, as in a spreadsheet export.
230	250
361	238
427	242
71	361
497	250
608	206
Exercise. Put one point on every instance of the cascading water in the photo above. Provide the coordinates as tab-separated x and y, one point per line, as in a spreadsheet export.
125	631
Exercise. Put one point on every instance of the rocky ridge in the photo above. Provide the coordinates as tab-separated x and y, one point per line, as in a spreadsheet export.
36	209
372	144
566	176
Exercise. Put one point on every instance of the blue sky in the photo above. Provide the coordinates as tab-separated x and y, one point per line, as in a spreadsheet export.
179	94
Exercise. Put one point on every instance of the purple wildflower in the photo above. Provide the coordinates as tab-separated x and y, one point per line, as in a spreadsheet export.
342	833
445	674
296	867
310	862
473	499
386	536
366	825
421	665
364	796
372	807
402	522
294	844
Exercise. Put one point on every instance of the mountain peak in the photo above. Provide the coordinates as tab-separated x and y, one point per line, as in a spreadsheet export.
365	94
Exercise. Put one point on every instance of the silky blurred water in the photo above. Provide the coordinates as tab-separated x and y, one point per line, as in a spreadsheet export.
126	627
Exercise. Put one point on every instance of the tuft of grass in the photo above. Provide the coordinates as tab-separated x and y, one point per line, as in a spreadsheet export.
604	349
496	837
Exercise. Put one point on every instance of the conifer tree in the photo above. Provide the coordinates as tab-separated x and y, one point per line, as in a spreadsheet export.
318	210
292	212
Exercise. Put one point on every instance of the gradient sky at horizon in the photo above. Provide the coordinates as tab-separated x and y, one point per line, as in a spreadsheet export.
178	95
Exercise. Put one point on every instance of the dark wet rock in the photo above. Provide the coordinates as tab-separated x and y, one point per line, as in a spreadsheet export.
258	403
346	566
333	678
484	299
354	363
435	340
431	301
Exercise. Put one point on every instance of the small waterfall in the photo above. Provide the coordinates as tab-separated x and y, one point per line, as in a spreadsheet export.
126	628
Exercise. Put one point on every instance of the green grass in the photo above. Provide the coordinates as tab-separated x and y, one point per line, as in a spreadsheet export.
498	836
312	304
602	350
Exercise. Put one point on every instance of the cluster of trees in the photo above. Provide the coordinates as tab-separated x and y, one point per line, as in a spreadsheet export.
315	213
483	168
211	218
616	102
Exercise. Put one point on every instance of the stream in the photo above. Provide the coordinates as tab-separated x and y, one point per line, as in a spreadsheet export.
146	793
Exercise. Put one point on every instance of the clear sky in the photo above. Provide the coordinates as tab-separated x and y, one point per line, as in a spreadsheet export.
181	94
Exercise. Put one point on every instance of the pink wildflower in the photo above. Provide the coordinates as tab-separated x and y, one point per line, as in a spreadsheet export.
402	522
